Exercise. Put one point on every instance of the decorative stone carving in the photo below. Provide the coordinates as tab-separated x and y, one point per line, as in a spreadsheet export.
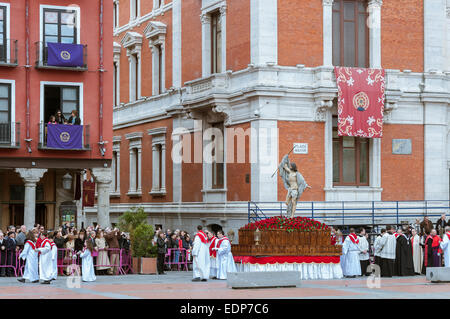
327	2
225	111
321	111
205	18
31	175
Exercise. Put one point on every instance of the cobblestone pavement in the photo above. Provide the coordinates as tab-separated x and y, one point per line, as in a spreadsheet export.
178	285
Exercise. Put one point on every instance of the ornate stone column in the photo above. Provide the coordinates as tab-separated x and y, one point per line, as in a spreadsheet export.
375	33
103	179
327	32
206	44
30	177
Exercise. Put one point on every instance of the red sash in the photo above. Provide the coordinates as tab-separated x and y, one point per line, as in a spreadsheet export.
354	238
221	240
52	244
213	253
33	246
202	237
448	235
396	235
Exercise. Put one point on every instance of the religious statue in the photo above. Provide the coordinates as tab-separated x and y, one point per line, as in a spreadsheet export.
293	182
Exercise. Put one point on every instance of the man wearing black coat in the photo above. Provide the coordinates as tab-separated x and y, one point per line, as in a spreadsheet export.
10	243
440	225
2	254
404	265
162	248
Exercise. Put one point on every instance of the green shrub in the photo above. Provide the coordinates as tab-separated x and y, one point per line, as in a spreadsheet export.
141	233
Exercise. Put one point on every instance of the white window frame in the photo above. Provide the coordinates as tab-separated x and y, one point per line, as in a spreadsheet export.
158	138
115	165
135	142
8	29
116	14
132	41
81	100
156	33
41	22
135	15
13	108
206	35
116	60
155	7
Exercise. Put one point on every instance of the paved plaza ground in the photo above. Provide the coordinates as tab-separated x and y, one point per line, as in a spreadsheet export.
178	285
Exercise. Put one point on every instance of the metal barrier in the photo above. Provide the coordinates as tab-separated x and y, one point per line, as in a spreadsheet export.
9	259
178	257
65	259
346	212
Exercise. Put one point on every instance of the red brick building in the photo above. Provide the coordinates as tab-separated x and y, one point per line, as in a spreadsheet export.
266	67
37	181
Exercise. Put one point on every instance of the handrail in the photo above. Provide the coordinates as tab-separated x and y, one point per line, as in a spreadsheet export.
351	210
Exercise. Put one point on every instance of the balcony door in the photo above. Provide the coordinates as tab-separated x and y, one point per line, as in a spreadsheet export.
5	113
64	98
59	27
3	35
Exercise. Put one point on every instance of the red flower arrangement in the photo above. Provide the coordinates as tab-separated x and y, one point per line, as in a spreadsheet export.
289	224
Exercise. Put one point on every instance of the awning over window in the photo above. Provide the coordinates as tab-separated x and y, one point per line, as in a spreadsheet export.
360	101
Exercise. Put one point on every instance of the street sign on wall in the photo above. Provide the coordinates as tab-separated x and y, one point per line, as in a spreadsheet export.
300	148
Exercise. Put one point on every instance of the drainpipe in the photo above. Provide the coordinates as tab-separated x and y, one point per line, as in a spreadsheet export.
101	142
27	73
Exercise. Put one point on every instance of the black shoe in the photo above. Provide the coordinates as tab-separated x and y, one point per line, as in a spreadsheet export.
35	282
196	279
21	280
204	280
46	282
163	273
214	277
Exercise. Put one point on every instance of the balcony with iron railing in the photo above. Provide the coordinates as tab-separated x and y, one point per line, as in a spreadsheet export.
42	59
10	135
66	138
8	53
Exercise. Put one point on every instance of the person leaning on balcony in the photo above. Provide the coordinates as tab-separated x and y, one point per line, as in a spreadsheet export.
74	119
52	120
59	117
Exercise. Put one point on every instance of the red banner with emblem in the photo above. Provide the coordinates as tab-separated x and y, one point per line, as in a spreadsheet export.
361	95
88	194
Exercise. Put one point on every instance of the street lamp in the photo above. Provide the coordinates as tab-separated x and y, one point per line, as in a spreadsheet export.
67	181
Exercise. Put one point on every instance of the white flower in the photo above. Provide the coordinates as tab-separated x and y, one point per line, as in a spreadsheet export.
370	120
359	71
350	119
369	80
350	82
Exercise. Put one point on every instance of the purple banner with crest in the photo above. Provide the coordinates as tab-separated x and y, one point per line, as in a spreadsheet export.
65	54
65	136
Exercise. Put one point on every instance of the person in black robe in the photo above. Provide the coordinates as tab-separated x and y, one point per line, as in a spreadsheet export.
404	265
428	253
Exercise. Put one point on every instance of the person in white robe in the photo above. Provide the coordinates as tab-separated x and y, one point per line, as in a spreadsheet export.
30	255
364	254
446	247
212	255
54	253
387	246
45	260
377	248
417	253
200	253
351	251
87	263
225	260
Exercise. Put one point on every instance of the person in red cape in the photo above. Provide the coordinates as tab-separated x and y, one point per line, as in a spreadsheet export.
212	239
432	256
30	255
351	267
200	253
333	237
446	247
45	259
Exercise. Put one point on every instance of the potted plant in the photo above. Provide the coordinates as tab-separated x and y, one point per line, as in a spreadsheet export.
134	222
144	249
